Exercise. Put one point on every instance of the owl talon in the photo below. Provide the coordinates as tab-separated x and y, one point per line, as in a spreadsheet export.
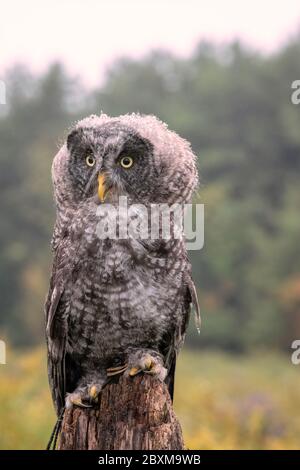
134	371
94	392
78	402
111	371
149	363
86	394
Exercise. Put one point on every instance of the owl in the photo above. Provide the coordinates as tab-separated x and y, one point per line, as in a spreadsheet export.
116	305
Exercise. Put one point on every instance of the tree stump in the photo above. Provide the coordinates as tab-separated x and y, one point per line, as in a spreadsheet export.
133	414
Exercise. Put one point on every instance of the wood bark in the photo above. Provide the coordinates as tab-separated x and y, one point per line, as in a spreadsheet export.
132	414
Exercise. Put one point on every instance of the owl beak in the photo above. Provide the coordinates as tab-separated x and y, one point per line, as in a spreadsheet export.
101	187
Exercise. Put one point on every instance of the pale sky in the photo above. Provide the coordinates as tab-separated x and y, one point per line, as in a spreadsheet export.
87	35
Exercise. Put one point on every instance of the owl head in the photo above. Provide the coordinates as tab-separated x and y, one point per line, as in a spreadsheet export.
132	155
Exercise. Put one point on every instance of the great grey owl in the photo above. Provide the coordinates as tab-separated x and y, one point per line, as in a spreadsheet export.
116	305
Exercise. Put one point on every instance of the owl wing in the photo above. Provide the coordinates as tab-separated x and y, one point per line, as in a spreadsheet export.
56	312
174	344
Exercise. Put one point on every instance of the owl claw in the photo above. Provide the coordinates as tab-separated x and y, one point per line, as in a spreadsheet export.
149	363
94	392
146	366
134	371
111	371
143	361
85	396
77	402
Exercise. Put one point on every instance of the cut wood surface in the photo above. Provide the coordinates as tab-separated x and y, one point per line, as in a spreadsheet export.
133	414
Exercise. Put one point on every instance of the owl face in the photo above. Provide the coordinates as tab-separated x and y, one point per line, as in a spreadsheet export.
108	161
132	155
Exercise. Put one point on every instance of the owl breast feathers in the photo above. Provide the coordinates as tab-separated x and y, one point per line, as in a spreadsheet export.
116	304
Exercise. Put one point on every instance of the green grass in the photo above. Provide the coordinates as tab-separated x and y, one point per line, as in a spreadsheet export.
222	401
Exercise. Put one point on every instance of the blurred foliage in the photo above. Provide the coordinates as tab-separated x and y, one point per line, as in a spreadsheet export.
223	402
234	105
236	402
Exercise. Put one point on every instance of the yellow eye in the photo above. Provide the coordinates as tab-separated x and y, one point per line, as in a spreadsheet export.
90	160
126	162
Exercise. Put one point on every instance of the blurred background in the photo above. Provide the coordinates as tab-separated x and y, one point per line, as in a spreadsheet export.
221	76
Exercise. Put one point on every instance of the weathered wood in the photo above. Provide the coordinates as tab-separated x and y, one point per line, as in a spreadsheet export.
135	413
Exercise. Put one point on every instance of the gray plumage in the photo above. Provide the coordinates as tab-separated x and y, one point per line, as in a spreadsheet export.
112	302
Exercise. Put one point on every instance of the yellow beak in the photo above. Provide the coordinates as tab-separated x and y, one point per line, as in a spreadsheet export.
101	187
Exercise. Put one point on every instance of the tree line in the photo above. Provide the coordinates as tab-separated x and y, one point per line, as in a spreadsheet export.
234	105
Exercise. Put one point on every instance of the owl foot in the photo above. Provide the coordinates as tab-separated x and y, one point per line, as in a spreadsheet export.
85	397
149	362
